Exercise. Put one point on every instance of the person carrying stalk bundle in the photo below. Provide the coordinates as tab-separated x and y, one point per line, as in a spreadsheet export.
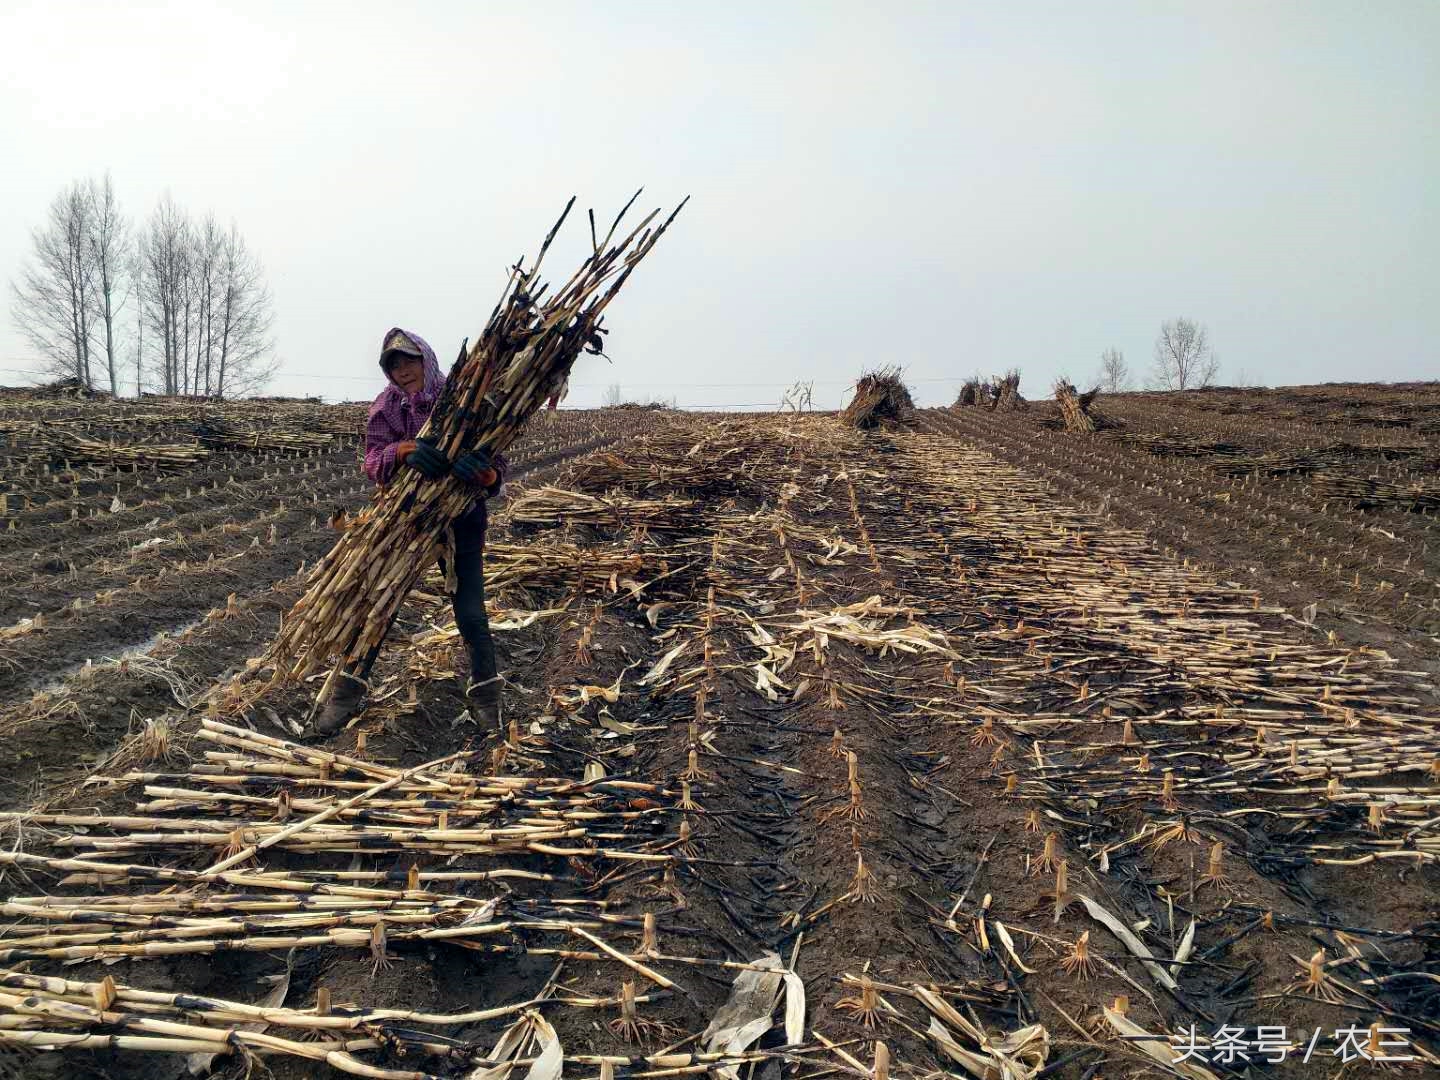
392	442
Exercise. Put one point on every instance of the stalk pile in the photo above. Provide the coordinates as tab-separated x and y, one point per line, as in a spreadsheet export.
54	1013
222	435
879	395
550	507
77	448
522	358
1077	411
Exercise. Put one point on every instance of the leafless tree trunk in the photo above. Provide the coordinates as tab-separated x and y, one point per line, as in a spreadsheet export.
207	307
110	253
206	246
166	247
244	361
139	290
1114	372
52	302
1183	357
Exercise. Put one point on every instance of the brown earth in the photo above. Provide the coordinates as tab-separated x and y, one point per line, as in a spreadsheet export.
1048	611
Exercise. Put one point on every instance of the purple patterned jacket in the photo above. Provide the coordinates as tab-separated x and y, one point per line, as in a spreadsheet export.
396	416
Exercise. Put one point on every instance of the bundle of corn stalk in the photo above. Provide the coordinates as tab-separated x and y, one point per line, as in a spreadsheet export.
1372	491
721	462
50	1013
256	788
879	395
255	792
69	387
553	506
522	359
972	392
1233	459
1007	391
559	566
66	444
1077	411
1179	444
264	913
221	435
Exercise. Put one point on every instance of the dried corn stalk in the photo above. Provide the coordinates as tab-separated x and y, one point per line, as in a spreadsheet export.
879	395
522	358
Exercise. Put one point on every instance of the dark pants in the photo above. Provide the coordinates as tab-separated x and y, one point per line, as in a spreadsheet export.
470	616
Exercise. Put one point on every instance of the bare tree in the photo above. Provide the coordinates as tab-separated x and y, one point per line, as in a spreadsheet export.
242	317
799	398
205	242
108	237
1183	357
1114	372
53	301
165	246
139	282
206	304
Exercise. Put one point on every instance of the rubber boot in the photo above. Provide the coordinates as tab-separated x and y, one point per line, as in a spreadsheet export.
483	698
343	703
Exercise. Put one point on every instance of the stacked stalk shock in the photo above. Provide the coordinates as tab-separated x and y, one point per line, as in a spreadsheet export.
523	357
283	437
879	395
78	448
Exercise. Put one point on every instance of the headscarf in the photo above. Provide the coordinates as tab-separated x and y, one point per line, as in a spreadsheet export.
389	402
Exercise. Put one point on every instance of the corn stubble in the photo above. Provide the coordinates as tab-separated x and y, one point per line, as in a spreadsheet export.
522	359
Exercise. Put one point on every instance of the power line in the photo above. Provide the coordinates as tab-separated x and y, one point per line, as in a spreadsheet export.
282	373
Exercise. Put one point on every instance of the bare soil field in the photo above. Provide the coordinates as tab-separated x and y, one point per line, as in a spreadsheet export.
967	746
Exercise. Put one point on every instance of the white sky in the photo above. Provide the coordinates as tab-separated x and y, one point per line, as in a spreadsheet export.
952	187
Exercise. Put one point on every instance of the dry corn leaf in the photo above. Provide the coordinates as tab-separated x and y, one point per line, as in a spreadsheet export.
794	1009
516	619
551	1060
624	727
1021	1055
863	624
766	681
746	1015
1131	942
1187	943
1009	944
583	695
663	664
1153	1046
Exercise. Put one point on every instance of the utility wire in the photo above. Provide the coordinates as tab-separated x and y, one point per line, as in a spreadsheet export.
282	373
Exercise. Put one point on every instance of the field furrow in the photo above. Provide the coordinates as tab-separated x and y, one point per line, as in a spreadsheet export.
908	730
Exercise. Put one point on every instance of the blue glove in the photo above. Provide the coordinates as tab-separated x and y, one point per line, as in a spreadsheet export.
427	460
474	467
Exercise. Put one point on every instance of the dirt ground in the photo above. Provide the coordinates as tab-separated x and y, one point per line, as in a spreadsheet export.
921	670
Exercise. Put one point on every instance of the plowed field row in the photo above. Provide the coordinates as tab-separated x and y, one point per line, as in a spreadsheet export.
884	706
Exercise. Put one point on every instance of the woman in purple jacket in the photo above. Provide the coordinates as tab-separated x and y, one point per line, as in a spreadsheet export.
399	412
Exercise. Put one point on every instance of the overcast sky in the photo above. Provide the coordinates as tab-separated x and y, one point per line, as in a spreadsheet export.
954	187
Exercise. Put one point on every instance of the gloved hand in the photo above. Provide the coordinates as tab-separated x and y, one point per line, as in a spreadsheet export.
475	468
427	460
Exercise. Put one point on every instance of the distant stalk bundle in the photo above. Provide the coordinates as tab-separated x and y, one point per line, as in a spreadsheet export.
283	436
1077	410
522	358
879	395
78	448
